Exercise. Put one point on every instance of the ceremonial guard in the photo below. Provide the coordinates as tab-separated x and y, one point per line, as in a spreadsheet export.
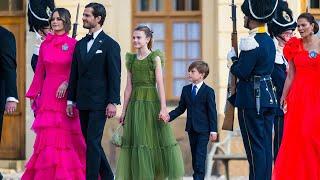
255	96
281	30
39	12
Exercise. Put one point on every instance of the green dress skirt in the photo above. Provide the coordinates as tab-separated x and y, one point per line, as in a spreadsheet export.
149	150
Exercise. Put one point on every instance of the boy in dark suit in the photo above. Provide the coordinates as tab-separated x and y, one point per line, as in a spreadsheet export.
199	100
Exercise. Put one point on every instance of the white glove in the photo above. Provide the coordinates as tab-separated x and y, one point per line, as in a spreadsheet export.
231	54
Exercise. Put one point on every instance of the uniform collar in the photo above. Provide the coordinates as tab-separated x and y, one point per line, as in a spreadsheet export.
260	29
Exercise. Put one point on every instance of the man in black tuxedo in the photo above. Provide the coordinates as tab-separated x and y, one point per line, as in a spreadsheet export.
8	76
94	87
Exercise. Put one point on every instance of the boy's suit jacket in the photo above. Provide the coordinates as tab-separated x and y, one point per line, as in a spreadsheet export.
201	112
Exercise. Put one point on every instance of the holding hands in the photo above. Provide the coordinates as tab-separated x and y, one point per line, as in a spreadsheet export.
164	115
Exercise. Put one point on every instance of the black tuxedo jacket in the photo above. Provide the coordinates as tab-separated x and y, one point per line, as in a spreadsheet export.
95	76
201	112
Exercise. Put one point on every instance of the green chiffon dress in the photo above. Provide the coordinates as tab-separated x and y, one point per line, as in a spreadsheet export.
149	149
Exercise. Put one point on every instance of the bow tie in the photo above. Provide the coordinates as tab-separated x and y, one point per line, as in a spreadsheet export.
89	37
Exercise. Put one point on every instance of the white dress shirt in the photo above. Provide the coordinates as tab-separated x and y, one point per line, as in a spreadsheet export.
90	43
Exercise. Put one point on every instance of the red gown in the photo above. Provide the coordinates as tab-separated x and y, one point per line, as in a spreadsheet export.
299	155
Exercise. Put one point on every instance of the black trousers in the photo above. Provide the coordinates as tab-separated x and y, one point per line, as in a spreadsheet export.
256	133
198	144
278	132
92	125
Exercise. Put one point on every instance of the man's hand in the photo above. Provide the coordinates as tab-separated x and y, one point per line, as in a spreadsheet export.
69	110
111	111
11	107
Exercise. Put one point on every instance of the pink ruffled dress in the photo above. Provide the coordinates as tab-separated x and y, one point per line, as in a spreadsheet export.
59	148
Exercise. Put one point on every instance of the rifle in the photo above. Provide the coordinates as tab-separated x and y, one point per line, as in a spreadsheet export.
75	25
232	80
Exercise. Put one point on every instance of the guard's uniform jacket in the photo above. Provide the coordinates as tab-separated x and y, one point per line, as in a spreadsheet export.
256	58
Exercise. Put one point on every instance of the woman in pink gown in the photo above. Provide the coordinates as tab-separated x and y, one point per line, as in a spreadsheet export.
59	148
299	155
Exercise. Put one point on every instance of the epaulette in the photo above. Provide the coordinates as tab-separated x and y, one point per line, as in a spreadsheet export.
248	43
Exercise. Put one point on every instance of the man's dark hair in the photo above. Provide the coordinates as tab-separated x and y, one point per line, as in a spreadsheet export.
98	10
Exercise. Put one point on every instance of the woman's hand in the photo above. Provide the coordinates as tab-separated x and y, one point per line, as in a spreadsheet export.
61	92
283	104
31	102
121	118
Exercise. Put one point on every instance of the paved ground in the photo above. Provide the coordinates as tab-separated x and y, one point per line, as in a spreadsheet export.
220	178
12	175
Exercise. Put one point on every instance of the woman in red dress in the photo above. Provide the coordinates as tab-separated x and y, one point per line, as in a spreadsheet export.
299	155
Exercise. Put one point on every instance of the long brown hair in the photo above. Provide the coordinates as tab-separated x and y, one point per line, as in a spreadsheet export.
65	17
148	32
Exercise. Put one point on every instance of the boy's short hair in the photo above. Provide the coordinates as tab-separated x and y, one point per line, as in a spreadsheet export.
201	66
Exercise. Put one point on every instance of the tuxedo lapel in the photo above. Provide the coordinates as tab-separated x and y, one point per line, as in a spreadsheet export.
83	50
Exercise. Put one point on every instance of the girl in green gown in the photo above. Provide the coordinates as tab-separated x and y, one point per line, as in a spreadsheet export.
149	149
